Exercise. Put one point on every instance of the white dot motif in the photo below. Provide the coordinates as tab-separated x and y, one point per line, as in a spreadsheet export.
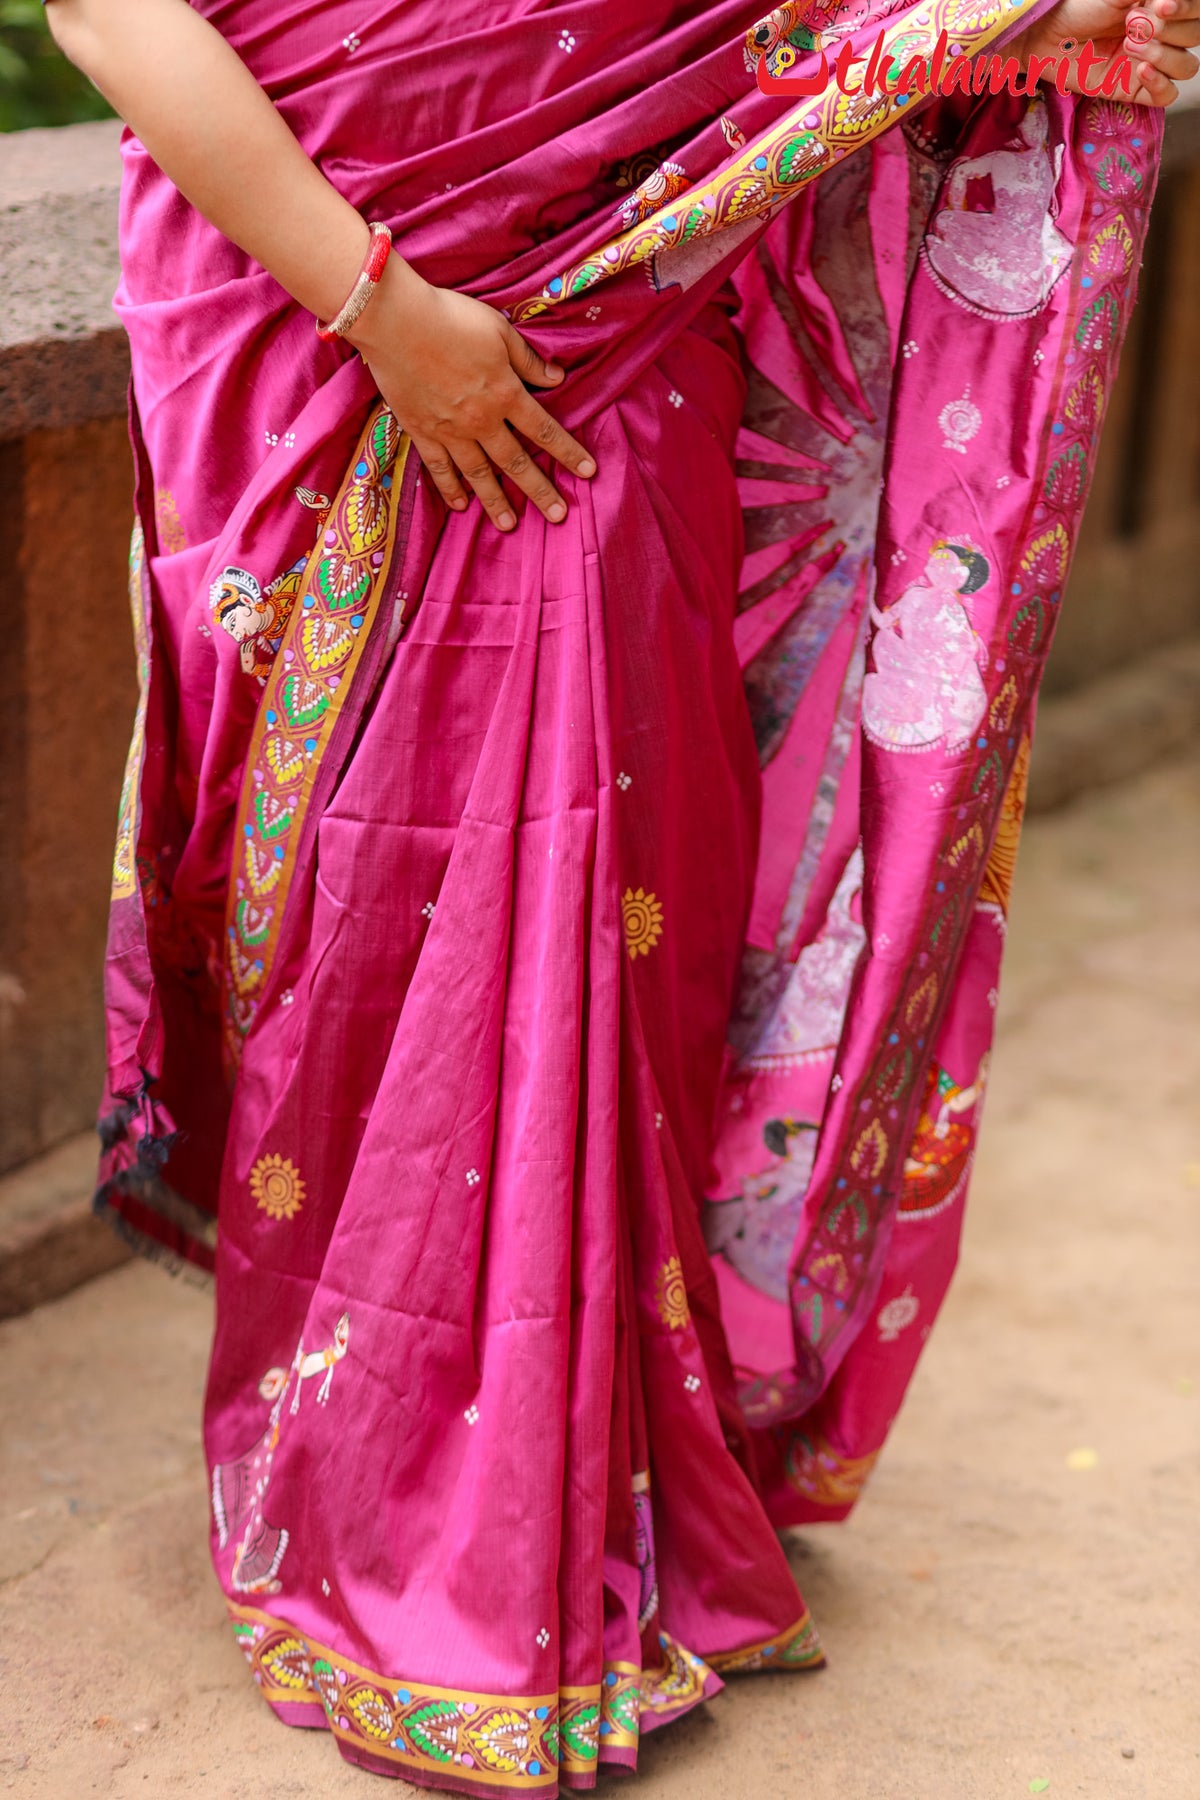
427	910
472	1415
472	1177
675	397
566	42
543	1637
624	780
692	1383
352	43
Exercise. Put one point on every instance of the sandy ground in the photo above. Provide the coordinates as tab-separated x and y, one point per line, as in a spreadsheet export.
1013	1608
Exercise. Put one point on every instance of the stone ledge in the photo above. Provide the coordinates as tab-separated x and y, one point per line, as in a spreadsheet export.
63	355
50	1240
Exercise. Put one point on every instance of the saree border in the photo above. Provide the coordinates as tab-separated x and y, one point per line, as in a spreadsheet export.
306	690
520	1741
124	866
808	141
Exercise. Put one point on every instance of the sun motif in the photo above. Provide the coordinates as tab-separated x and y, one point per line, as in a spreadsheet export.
671	1296
643	918
277	1185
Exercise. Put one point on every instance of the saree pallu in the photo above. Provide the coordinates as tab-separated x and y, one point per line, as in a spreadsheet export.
565	963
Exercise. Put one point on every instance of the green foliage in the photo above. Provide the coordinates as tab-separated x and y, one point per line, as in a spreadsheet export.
38	86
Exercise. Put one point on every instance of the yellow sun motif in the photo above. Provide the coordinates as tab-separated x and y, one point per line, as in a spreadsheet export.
277	1185
643	918
671	1295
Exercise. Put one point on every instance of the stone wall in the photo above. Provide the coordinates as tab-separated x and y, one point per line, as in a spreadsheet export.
65	493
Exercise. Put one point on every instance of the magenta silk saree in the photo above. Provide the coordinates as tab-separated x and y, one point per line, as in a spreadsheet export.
564	964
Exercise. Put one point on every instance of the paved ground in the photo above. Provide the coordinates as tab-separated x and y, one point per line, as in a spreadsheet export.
1013	1609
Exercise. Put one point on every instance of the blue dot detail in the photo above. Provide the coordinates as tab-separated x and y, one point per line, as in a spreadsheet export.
804	1281
403	1696
272	718
903	99
878	1188
895	1038
360	469
1137	143
310	745
309	600
670	222
535	1768
939	887
1086	282
605	1727
555	286
386	482
1057	428
611	1678
841	1181
760	162
279	853
1088	148
840	1305
981	743
249	830
541	1712
356	621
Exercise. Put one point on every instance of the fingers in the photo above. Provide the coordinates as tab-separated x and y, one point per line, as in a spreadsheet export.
1153	87
535	423
514	460
527	363
1178	65
472	459
442	472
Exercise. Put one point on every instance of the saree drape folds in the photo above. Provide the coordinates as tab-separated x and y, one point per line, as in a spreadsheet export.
564	963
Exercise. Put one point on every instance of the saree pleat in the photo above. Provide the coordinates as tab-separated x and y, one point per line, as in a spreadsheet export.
551	975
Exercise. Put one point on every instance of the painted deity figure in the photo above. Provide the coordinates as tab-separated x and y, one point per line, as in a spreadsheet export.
926	688
938	1157
993	245
252	618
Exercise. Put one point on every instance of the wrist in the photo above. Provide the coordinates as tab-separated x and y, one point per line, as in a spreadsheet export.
397	290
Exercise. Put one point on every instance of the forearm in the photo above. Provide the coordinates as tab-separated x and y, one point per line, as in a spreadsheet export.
212	130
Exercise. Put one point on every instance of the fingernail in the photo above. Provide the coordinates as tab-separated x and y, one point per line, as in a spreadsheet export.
459	505
554	371
557	511
506	521
587	466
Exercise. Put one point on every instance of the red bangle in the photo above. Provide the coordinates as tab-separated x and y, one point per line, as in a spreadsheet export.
364	287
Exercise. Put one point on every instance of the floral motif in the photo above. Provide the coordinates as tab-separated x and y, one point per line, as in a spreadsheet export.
670	1296
643	917
278	1186
172	538
796	1648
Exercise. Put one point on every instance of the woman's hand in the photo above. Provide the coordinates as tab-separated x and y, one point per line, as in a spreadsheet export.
453	371
1113	28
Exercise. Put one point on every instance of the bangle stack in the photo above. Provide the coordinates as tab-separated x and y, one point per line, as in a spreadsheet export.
364	287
